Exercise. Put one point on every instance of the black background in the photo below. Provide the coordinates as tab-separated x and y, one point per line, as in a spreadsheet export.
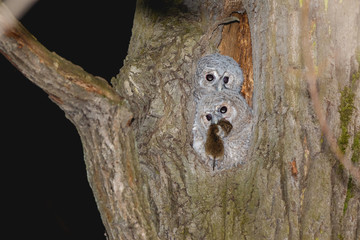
44	188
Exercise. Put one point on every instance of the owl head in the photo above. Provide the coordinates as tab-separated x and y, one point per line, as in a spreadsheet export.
221	105
216	72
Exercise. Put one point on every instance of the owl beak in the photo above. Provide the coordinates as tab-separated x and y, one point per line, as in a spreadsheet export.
216	118
219	86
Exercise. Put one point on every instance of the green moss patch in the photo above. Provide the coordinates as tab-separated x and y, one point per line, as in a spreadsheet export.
346	110
349	193
356	148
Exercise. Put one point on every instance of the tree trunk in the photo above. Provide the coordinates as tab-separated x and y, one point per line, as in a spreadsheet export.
149	182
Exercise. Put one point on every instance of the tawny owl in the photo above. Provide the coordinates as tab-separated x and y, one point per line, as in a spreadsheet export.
216	72
211	109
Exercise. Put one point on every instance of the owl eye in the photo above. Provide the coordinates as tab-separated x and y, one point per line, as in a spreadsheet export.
226	79
209	77
223	109
208	117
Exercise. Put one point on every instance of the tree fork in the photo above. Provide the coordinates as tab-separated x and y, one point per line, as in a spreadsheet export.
146	178
102	118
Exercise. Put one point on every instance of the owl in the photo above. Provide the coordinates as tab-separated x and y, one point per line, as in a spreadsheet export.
212	109
216	72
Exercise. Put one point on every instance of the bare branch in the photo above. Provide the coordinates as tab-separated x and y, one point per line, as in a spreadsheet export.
62	79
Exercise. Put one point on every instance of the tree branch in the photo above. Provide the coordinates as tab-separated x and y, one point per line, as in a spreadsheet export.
103	121
62	79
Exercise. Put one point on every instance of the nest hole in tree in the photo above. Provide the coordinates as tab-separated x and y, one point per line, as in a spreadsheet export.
236	43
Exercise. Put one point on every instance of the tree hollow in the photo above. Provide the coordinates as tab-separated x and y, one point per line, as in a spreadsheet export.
236	43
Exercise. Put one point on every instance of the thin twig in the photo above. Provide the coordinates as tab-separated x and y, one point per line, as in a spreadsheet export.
311	77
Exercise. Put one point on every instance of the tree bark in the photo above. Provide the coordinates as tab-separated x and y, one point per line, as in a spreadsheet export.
148	181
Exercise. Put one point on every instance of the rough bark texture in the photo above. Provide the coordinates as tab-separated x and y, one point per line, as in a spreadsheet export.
147	179
293	188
